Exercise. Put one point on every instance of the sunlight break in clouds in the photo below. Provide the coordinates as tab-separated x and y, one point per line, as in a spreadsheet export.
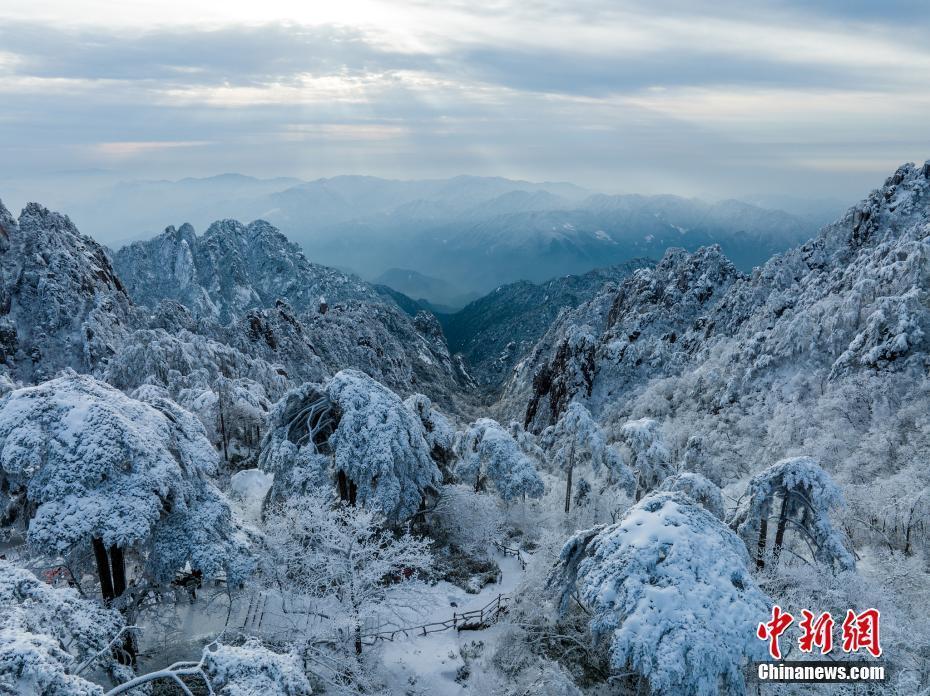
133	149
595	92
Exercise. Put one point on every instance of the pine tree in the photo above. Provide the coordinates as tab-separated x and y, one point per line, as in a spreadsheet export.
806	494
669	591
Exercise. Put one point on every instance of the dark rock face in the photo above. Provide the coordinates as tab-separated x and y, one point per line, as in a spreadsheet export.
630	331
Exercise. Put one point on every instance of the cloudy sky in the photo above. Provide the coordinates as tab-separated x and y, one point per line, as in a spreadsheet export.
733	99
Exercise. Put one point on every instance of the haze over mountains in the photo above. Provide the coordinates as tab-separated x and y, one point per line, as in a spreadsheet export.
449	241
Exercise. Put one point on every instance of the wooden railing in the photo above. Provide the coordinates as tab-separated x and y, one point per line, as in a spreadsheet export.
473	620
507	551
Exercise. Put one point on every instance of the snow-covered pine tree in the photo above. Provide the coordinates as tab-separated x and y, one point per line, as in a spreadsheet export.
577	439
487	452
668	587
527	442
649	456
440	435
807	494
356	434
88	467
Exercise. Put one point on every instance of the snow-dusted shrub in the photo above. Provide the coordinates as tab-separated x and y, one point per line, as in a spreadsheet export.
93	466
380	446
440	435
487	452
891	331
252	670
228	391
33	663
185	360
249	669
527	442
668	587
46	633
649	456
700	489
340	552
295	450
466	519
807	495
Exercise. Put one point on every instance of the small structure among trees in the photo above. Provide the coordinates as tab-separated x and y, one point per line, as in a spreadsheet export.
668	589
805	495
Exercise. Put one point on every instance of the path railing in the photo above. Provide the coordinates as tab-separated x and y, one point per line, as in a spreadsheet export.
507	551
473	620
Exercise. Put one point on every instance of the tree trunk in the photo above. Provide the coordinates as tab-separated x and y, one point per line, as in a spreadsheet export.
111	569
118	566
223	433
357	622
760	551
103	570
568	488
780	530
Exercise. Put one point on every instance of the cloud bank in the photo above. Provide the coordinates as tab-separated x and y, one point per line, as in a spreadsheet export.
648	97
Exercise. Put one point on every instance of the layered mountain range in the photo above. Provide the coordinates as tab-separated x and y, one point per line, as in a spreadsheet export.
239	302
450	240
244	301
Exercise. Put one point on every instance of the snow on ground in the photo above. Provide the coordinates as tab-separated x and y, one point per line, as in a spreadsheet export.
429	664
414	664
249	488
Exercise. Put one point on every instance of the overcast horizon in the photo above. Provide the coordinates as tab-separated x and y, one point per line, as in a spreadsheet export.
733	101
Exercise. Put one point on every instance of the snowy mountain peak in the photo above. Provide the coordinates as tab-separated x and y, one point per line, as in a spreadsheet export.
903	200
7	221
852	299
61	303
229	269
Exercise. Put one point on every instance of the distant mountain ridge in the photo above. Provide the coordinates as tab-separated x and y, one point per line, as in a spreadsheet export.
475	233
537	236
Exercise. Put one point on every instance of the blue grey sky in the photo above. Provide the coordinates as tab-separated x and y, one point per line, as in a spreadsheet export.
709	99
